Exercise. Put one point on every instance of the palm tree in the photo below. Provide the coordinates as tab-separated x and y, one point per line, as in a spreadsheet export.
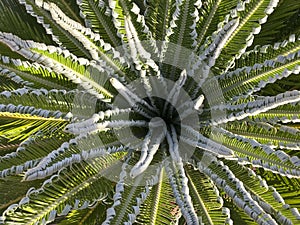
149	112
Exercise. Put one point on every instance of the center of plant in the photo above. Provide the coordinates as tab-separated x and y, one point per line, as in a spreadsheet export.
165	114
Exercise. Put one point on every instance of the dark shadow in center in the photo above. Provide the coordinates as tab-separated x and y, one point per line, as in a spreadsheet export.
169	115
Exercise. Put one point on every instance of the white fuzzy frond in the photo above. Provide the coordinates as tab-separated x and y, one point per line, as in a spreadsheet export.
103	126
214	50
151	143
198	140
252	108
130	97
179	184
235	189
175	92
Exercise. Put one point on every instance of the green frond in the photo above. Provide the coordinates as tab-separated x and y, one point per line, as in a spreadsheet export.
62	62
251	14
285	13
229	182
29	153
238	215
288	188
158	15
77	65
90	216
252	79
249	151
128	197
160	207
20	126
70	8
81	186
59	35
79	70
261	54
52	100
117	9
55	103
12	190
277	136
286	114
35	74
73	151
183	17
11	82
102	52
289	83
139	33
4	49
212	13
205	197
98	17
6	147
244	107
266	195
14	15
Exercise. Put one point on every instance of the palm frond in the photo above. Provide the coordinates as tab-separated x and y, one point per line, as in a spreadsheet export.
35	74
206	198
13	195
38	9
29	153
68	193
21	126
14	15
267	196
212	13
160	203
285	13
251	15
92	216
98	17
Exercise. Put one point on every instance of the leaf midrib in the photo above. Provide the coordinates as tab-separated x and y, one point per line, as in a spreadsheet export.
153	216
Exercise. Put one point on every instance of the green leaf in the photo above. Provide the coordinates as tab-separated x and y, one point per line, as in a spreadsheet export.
212	13
251	15
275	30
277	136
288	113
29	153
98	18
63	192
252	79
261	192
14	15
12	190
20	126
250	151
35	73
90	216
205	197
59	35
160	207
